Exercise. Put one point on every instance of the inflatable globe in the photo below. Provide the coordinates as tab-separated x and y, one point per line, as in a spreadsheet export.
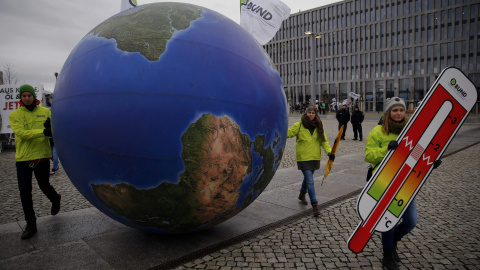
169	118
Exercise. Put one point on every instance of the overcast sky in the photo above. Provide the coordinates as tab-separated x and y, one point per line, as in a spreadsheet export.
38	35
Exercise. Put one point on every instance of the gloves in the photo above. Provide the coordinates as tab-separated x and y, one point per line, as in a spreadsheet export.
331	156
436	163
47	132
47	123
392	145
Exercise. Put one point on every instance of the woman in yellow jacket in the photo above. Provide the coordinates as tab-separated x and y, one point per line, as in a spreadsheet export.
310	139
381	139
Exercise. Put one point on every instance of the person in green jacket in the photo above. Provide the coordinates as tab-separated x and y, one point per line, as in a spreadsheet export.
32	132
382	139
310	139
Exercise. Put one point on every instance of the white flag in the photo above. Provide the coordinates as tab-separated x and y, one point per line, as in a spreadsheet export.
126	4
354	96
263	18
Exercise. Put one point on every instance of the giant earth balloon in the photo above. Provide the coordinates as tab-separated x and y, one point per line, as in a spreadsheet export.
169	118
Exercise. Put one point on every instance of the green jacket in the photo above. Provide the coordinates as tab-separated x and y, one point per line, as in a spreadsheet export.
308	145
377	145
30	142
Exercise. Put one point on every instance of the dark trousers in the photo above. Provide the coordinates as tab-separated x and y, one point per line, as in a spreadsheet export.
409	221
24	176
357	129
344	129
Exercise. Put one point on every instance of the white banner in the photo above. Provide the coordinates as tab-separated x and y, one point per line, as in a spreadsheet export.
354	96
9	97
126	4
263	18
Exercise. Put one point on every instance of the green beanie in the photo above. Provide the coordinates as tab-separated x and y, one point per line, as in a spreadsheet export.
27	88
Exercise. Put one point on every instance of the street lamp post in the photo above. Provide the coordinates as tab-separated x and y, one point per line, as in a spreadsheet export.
337	96
313	76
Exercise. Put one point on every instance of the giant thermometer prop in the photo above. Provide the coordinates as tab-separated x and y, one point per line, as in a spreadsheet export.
404	170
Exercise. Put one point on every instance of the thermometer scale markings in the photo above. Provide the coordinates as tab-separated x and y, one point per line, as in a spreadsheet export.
382	205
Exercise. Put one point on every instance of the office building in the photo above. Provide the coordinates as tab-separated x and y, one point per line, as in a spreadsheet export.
376	49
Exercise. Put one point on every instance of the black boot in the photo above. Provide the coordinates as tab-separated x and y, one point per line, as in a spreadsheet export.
388	261
302	198
30	229
56	206
395	254
316	209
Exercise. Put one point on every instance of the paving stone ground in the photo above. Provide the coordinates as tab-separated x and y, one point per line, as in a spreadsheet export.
447	235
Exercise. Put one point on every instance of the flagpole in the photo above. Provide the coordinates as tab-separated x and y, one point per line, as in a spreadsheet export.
313	70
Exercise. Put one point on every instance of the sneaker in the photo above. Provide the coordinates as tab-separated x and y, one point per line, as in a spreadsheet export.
30	229
354	139
52	172
361	139
342	138
56	206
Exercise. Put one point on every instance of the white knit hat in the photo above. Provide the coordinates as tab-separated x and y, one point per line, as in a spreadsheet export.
393	102
309	108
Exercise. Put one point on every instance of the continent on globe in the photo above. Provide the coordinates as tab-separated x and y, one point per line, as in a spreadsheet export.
133	29
217	158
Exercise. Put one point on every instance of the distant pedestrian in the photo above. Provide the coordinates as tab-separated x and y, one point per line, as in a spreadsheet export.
324	109
357	119
343	117
32	133
52	148
54	157
310	139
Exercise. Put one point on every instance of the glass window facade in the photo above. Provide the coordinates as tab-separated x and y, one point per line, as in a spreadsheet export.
391	47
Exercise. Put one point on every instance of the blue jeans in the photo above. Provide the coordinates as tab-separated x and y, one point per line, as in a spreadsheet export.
409	220
307	185
54	158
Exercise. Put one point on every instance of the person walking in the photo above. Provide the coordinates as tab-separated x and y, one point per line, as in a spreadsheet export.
53	150
310	137
324	110
54	157
356	120
32	132
343	117
380	140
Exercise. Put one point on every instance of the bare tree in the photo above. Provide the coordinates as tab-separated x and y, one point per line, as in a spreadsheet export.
9	74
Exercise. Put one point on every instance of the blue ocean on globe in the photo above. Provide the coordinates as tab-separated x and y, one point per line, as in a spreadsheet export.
169	118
